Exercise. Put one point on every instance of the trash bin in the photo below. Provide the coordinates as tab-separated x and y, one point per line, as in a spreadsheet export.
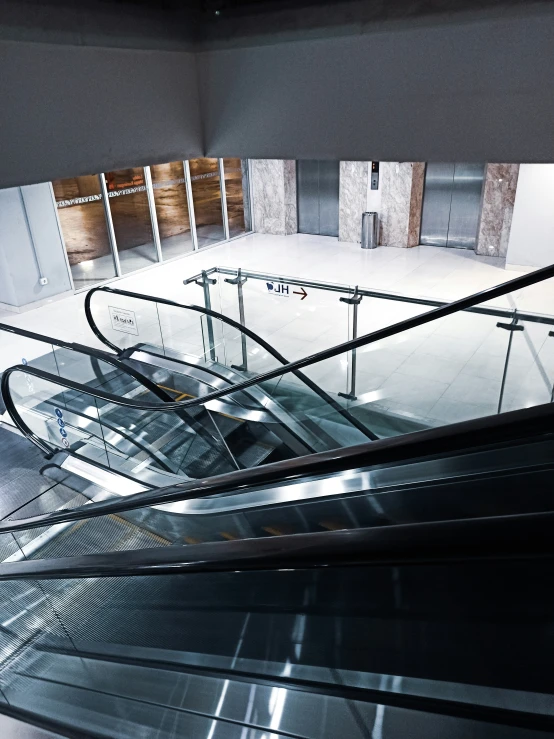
370	230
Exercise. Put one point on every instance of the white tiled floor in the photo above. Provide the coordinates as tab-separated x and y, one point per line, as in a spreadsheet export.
444	371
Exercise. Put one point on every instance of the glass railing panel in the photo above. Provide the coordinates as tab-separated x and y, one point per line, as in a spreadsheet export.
296	320
89	370
375	313
428	376
182	332
195	337
126	321
65	419
304	414
528	373
22	350
228	346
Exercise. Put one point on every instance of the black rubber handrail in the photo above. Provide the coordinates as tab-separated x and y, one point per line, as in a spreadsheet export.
337	407
446	310
530	423
521	536
95	354
411	701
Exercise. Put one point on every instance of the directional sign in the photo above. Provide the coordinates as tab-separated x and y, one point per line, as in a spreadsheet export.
282	290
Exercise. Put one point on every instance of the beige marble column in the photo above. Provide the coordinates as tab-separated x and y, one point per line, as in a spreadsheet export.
352	200
274	196
401	201
499	192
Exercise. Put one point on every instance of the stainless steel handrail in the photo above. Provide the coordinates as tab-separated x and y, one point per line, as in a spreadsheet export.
368	293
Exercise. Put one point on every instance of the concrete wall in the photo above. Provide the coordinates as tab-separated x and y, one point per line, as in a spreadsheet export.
71	110
531	240
444	91
31	247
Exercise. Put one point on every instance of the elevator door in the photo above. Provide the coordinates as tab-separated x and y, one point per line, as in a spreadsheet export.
318	196
452	204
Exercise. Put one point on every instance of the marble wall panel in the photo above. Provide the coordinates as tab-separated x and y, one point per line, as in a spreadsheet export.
290	201
352	199
401	200
274	196
499	192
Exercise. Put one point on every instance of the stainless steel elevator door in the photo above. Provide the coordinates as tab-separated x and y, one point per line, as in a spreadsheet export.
451	204
318	197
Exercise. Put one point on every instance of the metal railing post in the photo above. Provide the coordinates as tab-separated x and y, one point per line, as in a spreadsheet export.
109	223
223	191
190	204
354	301
239	282
511	327
205	283
153	214
551	333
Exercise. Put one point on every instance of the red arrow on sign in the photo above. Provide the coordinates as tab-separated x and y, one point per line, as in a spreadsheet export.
303	293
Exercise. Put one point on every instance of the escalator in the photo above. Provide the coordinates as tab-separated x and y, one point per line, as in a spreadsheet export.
176	397
393	587
437	627
128	412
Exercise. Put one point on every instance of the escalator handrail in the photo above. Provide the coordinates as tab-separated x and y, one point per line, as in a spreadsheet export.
466	436
97	354
91	352
234	324
525	535
456	306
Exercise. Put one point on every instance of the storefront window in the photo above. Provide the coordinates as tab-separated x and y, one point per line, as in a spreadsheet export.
87	220
131	219
238	196
84	228
206	193
170	196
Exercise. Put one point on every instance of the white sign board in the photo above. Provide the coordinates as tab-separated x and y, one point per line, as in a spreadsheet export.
282	290
124	320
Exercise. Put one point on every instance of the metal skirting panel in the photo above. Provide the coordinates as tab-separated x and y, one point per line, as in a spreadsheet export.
452	204
318	197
